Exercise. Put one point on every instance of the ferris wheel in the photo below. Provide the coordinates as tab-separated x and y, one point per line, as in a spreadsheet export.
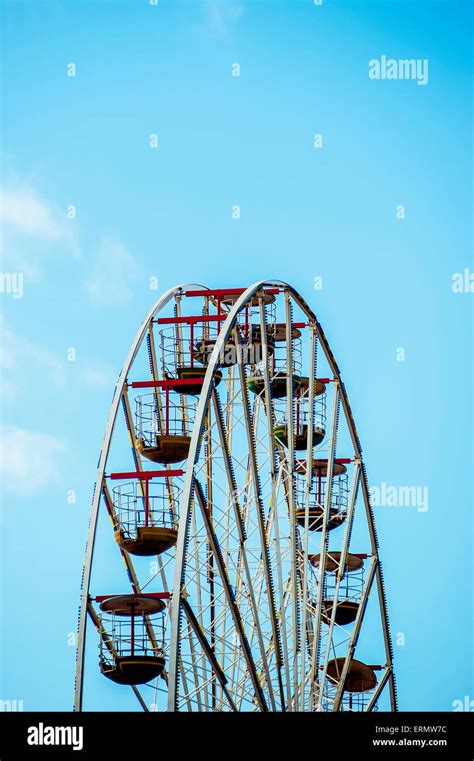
247	575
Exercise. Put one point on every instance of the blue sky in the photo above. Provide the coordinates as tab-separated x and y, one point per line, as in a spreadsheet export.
305	212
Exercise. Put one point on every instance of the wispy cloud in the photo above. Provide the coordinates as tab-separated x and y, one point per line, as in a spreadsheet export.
29	461
97	377
27	213
18	352
112	275
33	230
220	16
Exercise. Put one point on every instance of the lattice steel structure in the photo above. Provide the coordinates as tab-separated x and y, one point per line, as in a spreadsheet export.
240	508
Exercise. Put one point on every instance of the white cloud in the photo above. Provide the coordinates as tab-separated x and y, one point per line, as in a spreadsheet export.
33	230
27	213
221	16
29	461
8	390
17	352
97	378
7	358
112	274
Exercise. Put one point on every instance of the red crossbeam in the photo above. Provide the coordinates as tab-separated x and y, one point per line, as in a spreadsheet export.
338	460
219	292
191	320
372	666
361	555
154	595
145	475
167	383
184	382
194	319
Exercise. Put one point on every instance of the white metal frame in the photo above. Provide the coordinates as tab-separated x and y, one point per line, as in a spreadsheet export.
274	697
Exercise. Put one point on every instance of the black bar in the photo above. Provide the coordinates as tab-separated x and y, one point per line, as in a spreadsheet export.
287	736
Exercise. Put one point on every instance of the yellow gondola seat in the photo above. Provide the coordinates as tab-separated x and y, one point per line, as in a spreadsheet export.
360	677
134	669
166	449
149	540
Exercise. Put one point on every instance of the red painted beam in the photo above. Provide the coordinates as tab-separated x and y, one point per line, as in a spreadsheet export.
361	555
219	292
154	595
167	383
191	320
371	666
144	475
339	460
